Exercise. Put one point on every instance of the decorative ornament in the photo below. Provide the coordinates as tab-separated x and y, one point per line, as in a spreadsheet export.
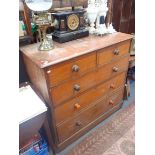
92	15
97	11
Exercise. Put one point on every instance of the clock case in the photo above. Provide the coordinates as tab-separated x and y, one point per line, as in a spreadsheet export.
62	32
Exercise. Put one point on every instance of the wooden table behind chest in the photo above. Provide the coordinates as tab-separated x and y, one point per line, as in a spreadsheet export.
82	81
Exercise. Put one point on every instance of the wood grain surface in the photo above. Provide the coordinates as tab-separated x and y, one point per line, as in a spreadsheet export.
113	52
72	49
68	109
71	126
66	90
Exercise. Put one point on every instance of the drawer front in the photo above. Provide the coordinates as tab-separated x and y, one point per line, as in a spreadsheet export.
112	69
108	54
74	106
70	127
71	69
74	87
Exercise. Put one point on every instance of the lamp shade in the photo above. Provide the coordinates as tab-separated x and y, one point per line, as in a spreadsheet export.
39	5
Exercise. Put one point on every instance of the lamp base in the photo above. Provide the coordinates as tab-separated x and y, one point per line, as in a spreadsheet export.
46	39
46	46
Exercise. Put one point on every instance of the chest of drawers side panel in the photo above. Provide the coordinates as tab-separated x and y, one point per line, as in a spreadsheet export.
38	79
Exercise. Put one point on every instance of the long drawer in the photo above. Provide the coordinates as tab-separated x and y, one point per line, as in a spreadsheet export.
73	88
77	104
108	54
68	128
71	69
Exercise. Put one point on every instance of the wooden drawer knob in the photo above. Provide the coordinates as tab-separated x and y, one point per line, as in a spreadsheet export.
116	52
76	87
112	86
77	106
115	69
78	123
111	102
75	68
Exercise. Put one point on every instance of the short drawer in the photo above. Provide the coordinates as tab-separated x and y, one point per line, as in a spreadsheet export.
68	128
71	69
74	106
108	54
112	69
73	87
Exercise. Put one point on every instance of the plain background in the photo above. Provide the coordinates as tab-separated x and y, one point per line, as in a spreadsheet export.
145	77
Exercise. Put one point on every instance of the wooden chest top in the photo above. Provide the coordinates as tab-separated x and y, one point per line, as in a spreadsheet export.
69	50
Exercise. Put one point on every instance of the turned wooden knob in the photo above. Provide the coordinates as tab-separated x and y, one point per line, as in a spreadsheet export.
78	123
77	106
116	52
112	86
111	102
76	87
115	69
75	68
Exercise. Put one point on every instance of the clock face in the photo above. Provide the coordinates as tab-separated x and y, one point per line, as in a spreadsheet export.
73	22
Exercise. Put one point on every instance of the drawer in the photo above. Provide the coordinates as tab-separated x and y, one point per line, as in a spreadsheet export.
68	128
112	69
71	69
74	106
73	87
118	66
108	54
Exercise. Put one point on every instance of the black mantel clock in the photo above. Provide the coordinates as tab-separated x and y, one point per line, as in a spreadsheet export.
70	23
70	26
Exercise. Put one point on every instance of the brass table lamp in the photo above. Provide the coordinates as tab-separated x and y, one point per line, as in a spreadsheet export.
42	20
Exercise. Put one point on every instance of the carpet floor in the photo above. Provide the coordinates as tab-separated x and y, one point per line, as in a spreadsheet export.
116	137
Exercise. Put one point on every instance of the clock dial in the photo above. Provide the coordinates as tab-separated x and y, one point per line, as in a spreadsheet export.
73	22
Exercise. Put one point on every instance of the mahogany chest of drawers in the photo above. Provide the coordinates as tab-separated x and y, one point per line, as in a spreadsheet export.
82	82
